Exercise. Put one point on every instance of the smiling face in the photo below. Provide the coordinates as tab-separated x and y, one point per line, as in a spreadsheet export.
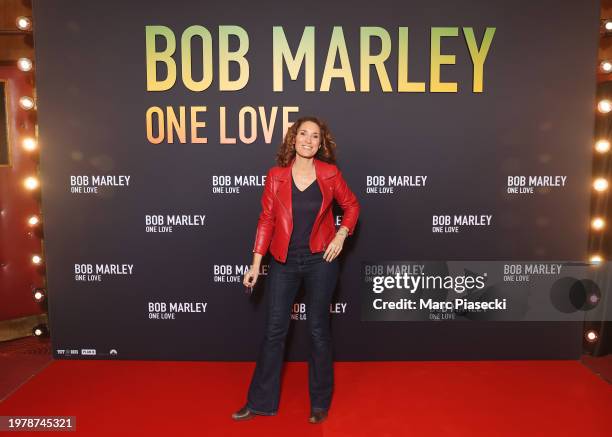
308	139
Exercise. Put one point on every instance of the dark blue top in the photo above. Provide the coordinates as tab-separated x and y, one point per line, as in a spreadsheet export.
305	205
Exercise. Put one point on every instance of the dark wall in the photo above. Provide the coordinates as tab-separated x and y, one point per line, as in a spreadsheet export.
534	117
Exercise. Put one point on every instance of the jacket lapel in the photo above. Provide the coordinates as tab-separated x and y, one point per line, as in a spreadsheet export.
284	188
325	191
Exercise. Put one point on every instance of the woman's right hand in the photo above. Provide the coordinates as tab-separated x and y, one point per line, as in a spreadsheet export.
250	278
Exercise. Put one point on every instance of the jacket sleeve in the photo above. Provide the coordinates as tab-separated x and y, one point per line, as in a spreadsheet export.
348	202
265	224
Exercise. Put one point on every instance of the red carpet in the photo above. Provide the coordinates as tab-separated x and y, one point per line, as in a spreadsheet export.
20	360
491	398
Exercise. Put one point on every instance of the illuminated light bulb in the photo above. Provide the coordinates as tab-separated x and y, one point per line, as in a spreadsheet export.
40	330
25	64
593	298
602	146
33	220
27	102
605	66
23	23
29	144
600	184
598	223
591	336
31	183
36	259
38	294
604	106
596	259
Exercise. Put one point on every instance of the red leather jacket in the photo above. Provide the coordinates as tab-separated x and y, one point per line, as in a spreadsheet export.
276	219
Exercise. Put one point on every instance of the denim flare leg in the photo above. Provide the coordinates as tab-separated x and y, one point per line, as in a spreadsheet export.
282	284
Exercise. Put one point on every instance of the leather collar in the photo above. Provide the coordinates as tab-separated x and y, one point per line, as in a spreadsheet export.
322	169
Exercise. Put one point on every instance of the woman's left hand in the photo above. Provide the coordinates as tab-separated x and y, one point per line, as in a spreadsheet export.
334	248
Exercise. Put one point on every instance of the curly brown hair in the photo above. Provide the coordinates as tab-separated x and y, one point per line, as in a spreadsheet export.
327	151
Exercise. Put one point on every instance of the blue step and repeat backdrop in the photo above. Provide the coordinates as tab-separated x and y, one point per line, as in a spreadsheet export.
464	128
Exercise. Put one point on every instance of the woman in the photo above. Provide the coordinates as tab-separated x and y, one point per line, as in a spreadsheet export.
297	225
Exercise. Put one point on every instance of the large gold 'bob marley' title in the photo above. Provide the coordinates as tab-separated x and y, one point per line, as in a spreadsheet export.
303	57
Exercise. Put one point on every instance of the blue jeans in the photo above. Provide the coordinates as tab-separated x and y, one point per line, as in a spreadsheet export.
282	284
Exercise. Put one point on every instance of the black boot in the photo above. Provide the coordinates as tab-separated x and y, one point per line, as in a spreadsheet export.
317	416
243	414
